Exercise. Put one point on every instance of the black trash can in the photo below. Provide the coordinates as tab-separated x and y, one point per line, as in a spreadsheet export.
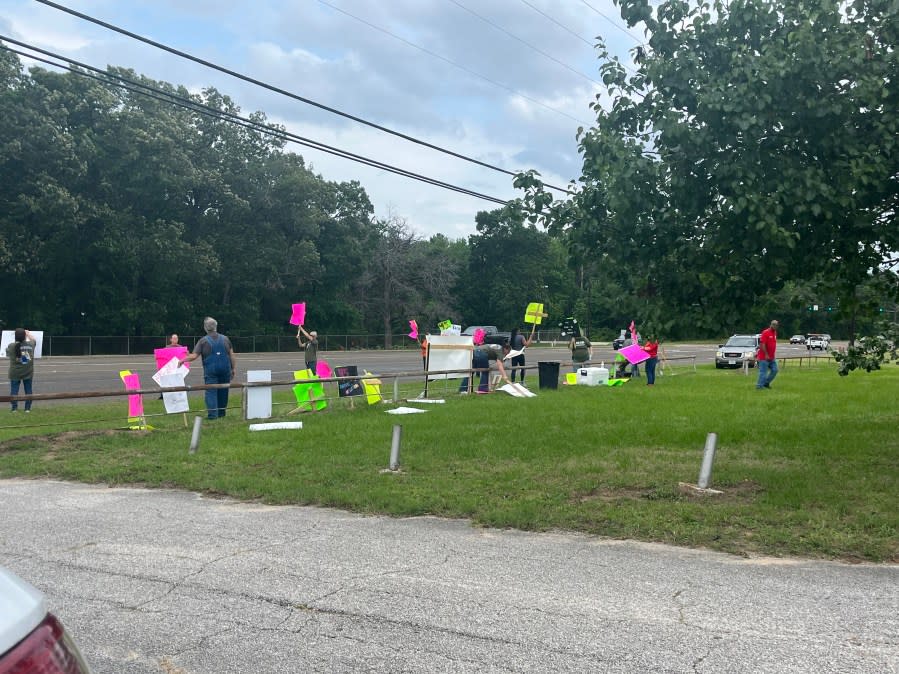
548	373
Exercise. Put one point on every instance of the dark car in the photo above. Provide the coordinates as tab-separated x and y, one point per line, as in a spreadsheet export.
624	340
797	339
492	334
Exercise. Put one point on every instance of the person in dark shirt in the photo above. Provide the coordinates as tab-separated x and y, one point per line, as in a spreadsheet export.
310	347
21	365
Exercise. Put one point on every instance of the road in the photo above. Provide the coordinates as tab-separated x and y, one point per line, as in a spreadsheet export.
174	582
61	374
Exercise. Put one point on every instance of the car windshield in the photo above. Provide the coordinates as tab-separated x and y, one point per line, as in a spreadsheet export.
741	341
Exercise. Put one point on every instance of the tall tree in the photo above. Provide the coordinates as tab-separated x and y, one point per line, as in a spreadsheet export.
756	143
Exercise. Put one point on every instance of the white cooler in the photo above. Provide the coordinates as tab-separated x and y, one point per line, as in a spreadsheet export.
592	376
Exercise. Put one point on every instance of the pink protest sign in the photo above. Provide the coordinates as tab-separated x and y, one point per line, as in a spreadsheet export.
322	369
163	356
413	326
634	354
298	315
135	402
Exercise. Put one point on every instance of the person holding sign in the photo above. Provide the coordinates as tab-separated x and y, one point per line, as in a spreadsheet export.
21	366
518	342
173	344
219	366
310	347
652	348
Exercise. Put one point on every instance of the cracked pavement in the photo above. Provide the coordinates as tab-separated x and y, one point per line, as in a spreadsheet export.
154	581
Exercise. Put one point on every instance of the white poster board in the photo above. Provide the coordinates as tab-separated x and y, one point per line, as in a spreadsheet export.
174	401
259	398
9	336
449	352
172	367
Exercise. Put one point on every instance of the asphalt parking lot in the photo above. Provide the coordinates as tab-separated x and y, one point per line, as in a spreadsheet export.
175	582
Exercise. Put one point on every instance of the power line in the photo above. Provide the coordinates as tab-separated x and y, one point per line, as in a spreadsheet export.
607	18
451	62
567	29
278	90
560	25
524	42
201	108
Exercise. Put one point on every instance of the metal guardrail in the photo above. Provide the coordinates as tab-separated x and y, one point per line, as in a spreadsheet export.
125	345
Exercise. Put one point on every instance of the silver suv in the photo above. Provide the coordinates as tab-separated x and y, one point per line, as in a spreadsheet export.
737	350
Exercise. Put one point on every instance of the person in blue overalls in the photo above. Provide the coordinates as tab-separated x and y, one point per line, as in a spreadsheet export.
219	366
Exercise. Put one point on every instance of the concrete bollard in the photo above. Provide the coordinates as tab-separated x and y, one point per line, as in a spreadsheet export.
395	448
705	472
195	436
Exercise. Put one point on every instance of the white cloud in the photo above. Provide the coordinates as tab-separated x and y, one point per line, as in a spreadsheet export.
321	54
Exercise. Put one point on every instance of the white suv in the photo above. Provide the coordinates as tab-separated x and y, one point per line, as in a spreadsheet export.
820	342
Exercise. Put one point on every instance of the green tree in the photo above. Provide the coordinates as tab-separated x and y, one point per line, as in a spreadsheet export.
509	266
755	144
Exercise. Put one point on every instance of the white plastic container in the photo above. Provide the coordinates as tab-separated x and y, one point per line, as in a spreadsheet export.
592	376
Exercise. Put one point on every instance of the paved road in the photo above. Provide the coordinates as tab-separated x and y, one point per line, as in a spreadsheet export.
61	374
167	581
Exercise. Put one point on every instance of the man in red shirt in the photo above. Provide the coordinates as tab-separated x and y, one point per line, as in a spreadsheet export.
765	356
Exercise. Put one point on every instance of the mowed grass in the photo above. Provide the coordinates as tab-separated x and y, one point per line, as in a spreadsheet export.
807	468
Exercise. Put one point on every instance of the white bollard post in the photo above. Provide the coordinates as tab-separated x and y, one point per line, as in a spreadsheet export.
395	448
195	436
705	473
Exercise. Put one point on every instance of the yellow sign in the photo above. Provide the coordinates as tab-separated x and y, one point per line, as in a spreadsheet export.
534	313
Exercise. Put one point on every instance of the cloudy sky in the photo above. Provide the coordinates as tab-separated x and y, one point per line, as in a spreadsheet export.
504	81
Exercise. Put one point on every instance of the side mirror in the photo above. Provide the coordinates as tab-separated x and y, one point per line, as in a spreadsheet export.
720	345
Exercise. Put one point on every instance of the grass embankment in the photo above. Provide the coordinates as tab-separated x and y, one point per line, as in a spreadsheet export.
808	468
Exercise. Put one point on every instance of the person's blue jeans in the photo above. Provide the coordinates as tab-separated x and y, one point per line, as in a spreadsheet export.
216	398
767	373
479	360
14	390
651	371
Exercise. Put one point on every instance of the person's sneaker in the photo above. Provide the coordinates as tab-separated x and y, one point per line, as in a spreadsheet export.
27	411
767	385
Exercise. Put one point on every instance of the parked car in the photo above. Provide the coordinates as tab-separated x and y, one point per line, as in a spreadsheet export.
492	334
797	339
624	339
737	350
31	638
820	342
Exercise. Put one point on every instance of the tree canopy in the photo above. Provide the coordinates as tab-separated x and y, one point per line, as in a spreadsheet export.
756	143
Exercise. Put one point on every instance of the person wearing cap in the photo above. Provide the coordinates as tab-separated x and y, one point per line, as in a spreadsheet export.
765	356
219	366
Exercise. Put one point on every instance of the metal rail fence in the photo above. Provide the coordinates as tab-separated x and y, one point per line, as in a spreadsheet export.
125	345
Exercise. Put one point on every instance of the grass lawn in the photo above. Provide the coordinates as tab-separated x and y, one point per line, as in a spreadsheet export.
809	468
